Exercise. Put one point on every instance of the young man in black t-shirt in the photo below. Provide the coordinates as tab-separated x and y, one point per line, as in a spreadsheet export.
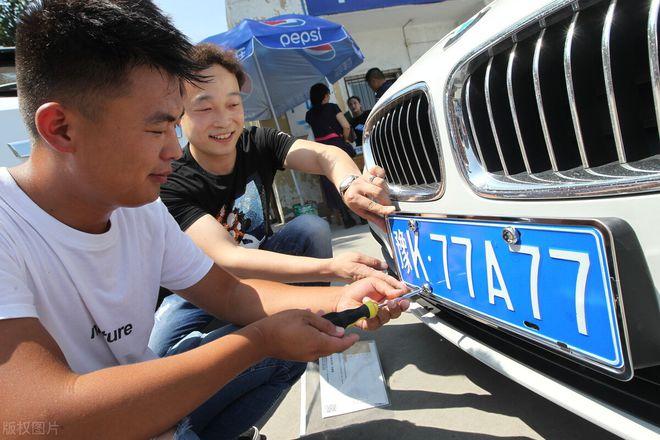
378	82
220	189
358	118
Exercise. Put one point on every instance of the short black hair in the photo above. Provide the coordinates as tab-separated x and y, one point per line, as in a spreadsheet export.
207	54
354	97
82	51
317	92
374	73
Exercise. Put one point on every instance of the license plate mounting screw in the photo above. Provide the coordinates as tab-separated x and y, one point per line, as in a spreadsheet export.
412	225
510	235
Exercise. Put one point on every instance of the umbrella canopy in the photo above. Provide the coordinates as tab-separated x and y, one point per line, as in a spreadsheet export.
284	56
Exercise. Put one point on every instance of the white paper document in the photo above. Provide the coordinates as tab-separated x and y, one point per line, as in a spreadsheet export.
352	380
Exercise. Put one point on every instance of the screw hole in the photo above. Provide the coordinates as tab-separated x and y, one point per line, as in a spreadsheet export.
531	325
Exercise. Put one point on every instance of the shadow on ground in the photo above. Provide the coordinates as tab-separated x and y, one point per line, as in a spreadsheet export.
397	429
415	344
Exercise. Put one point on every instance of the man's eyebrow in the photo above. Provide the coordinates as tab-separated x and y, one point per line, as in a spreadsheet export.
162	117
234	94
202	97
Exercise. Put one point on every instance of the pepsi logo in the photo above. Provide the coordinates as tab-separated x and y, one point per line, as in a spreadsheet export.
324	52
301	38
241	53
285	22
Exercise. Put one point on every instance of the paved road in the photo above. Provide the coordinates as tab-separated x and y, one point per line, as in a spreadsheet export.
436	391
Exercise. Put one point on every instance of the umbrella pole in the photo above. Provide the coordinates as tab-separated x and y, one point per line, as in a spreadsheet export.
277	123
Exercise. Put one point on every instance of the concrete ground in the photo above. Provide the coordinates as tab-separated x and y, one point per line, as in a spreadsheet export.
435	390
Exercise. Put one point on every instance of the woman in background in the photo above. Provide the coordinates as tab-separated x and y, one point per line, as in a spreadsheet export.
330	127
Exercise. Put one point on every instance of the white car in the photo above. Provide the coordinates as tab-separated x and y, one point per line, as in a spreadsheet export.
14	138
522	152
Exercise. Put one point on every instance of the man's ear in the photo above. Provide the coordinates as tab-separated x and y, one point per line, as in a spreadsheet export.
53	124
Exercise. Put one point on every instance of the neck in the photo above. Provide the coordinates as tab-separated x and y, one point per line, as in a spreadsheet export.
61	196
356	114
219	165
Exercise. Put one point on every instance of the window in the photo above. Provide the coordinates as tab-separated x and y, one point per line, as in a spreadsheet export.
357	86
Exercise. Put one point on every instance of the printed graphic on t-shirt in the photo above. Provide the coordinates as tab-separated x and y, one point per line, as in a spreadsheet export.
112	335
245	219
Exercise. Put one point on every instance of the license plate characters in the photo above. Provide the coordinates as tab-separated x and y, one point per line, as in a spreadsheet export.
548	283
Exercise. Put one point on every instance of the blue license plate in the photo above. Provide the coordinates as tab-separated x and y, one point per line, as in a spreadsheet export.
552	285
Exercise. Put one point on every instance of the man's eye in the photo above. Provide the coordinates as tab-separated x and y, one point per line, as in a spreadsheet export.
203	109
156	131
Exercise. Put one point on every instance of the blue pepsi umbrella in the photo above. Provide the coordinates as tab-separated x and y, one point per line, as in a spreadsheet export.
284	56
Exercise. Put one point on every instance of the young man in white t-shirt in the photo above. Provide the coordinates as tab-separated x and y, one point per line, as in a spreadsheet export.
85	244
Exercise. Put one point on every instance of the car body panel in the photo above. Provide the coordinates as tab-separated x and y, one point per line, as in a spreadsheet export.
13	130
458	199
623	424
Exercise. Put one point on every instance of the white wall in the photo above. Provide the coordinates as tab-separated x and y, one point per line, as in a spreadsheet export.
420	38
383	48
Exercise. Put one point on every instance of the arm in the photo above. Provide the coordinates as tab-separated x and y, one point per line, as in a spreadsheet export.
316	158
117	402
243	302
80	404
37	385
367	196
218	244
345	126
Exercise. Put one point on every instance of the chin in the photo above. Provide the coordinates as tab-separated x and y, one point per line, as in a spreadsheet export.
220	150
137	199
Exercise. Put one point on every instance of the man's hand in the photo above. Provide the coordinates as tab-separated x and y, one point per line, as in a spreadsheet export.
300	335
353	266
376	290
368	196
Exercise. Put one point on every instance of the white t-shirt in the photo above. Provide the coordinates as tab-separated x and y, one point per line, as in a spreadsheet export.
94	293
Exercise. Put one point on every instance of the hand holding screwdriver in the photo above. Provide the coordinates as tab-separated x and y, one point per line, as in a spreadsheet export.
367	310
376	290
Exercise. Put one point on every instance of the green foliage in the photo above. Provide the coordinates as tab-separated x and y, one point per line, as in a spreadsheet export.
10	11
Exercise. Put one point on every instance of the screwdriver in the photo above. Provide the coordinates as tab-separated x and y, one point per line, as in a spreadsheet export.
367	310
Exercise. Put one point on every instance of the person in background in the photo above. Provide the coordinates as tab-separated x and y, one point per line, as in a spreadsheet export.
348	116
359	118
219	194
85	243
330	127
377	82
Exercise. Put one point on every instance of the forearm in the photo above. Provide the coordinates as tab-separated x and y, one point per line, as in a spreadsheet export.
346	133
314	158
243	302
336	165
145	399
247	301
257	263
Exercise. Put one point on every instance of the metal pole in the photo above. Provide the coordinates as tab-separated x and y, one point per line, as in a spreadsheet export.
277	123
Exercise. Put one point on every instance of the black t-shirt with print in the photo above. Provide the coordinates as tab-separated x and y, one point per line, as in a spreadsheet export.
240	200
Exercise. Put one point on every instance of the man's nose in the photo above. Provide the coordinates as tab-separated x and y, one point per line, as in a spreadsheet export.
221	120
172	148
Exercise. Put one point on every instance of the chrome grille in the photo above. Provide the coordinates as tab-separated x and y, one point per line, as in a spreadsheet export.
400	137
566	104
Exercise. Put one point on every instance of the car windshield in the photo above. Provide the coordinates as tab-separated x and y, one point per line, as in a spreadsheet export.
7	71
